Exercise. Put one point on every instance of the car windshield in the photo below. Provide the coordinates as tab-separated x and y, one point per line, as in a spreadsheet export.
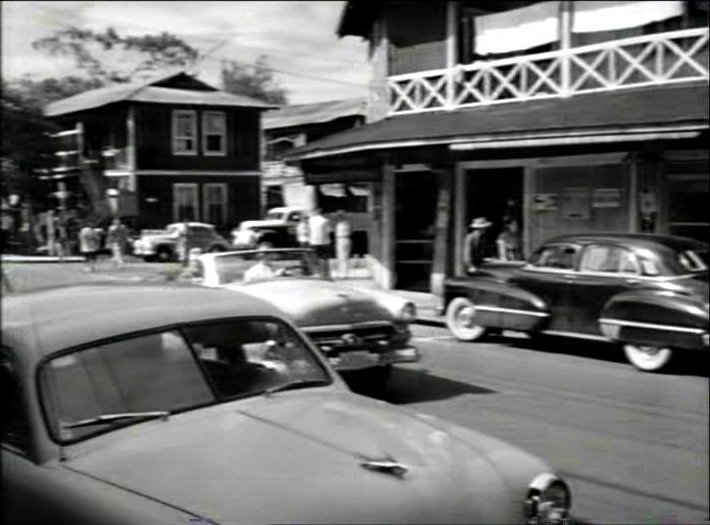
98	389
266	265
276	215
694	260
175	229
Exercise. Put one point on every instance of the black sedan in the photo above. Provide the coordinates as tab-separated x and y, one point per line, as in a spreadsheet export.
648	292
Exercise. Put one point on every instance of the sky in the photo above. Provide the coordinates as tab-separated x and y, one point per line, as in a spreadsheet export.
298	39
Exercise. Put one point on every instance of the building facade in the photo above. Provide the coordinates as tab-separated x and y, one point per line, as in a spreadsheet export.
294	126
175	148
571	116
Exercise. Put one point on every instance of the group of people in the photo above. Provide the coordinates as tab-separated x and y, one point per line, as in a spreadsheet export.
478	244
90	243
315	232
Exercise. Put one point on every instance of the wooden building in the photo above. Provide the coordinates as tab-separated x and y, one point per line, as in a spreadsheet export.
175	147
573	116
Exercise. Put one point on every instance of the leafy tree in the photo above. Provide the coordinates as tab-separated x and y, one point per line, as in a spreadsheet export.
254	81
111	58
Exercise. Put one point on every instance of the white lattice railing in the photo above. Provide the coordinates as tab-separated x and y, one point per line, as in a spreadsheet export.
663	58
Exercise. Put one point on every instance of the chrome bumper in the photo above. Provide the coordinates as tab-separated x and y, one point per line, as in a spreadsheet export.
362	359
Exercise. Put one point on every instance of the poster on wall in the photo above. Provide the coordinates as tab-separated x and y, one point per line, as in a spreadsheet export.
606	198
575	203
544	202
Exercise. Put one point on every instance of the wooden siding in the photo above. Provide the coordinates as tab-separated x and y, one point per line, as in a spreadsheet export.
155	207
154	140
417	36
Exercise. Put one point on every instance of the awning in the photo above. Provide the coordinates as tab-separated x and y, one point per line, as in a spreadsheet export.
590	16
517	29
676	108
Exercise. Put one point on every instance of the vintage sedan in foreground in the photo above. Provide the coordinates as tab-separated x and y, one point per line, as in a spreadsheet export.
355	328
648	292
192	405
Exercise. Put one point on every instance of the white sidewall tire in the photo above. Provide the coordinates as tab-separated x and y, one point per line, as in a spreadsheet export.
646	361
455	323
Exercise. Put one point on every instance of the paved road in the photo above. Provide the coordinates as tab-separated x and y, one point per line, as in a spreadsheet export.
633	445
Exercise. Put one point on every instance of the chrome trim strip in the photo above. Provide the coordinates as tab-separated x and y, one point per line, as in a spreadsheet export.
652	326
334	327
512	311
577	335
651	278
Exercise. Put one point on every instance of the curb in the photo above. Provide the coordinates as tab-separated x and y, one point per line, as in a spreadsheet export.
40	259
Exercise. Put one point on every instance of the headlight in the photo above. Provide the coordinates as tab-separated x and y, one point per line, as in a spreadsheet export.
408	313
549	499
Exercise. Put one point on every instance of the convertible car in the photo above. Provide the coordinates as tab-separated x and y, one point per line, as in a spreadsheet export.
648	292
356	328
193	405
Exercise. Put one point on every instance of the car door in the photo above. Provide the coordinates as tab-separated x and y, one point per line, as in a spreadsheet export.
547	276
604	271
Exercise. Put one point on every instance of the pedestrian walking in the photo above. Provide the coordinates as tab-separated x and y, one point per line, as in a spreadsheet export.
302	232
343	243
476	244
319	234
89	245
116	240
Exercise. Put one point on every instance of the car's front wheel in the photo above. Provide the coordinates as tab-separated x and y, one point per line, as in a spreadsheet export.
461	320
649	358
164	254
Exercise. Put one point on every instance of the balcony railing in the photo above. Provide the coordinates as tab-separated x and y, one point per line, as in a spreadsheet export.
662	58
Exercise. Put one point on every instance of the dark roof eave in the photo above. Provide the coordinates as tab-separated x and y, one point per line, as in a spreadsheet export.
357	18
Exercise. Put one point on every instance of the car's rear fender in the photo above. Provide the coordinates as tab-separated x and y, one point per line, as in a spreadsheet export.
499	304
652	317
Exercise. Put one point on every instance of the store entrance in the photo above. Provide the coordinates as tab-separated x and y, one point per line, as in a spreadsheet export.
496	194
415	198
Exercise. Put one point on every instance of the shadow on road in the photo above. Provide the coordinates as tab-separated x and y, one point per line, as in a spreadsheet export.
688	362
415	386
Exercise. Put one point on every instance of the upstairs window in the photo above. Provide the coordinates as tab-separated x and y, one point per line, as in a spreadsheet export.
214	133
184	132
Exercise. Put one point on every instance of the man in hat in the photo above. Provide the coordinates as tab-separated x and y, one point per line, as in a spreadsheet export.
476	245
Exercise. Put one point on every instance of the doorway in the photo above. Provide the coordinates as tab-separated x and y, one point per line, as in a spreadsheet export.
415	209
496	194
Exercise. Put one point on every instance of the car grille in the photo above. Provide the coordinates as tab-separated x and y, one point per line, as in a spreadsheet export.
352	337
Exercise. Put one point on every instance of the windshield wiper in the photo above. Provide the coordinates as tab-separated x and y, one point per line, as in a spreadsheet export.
109	418
300	383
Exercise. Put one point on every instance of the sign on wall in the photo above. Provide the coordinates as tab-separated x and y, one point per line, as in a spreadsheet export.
575	203
544	202
606	198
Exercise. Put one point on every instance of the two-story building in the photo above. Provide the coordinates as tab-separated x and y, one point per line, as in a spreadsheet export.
176	148
294	126
574	116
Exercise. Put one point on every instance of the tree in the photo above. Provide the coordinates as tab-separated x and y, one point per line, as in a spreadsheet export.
111	58
255	81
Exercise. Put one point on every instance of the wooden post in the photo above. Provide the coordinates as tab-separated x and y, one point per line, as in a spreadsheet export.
441	231
388	226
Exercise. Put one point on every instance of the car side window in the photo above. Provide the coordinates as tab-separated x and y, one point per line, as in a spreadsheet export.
15	427
608	259
555	256
295	216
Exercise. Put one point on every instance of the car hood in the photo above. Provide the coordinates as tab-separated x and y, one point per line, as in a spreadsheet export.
158	237
295	457
267	223
318	302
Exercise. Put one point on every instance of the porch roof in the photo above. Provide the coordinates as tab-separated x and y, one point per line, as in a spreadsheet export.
659	109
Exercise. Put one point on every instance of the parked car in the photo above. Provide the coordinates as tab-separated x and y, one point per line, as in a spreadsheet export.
648	292
165	245
195	405
355	328
277	229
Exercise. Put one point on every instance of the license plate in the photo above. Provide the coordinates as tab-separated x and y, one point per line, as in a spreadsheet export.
359	359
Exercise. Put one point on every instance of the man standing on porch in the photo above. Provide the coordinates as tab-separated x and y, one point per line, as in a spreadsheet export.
319	234
476	244
343	244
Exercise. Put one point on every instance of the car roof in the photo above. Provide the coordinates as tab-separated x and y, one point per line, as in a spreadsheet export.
285	209
53	319
635	240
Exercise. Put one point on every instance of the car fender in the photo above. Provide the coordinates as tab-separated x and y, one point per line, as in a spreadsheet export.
500	304
656	317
